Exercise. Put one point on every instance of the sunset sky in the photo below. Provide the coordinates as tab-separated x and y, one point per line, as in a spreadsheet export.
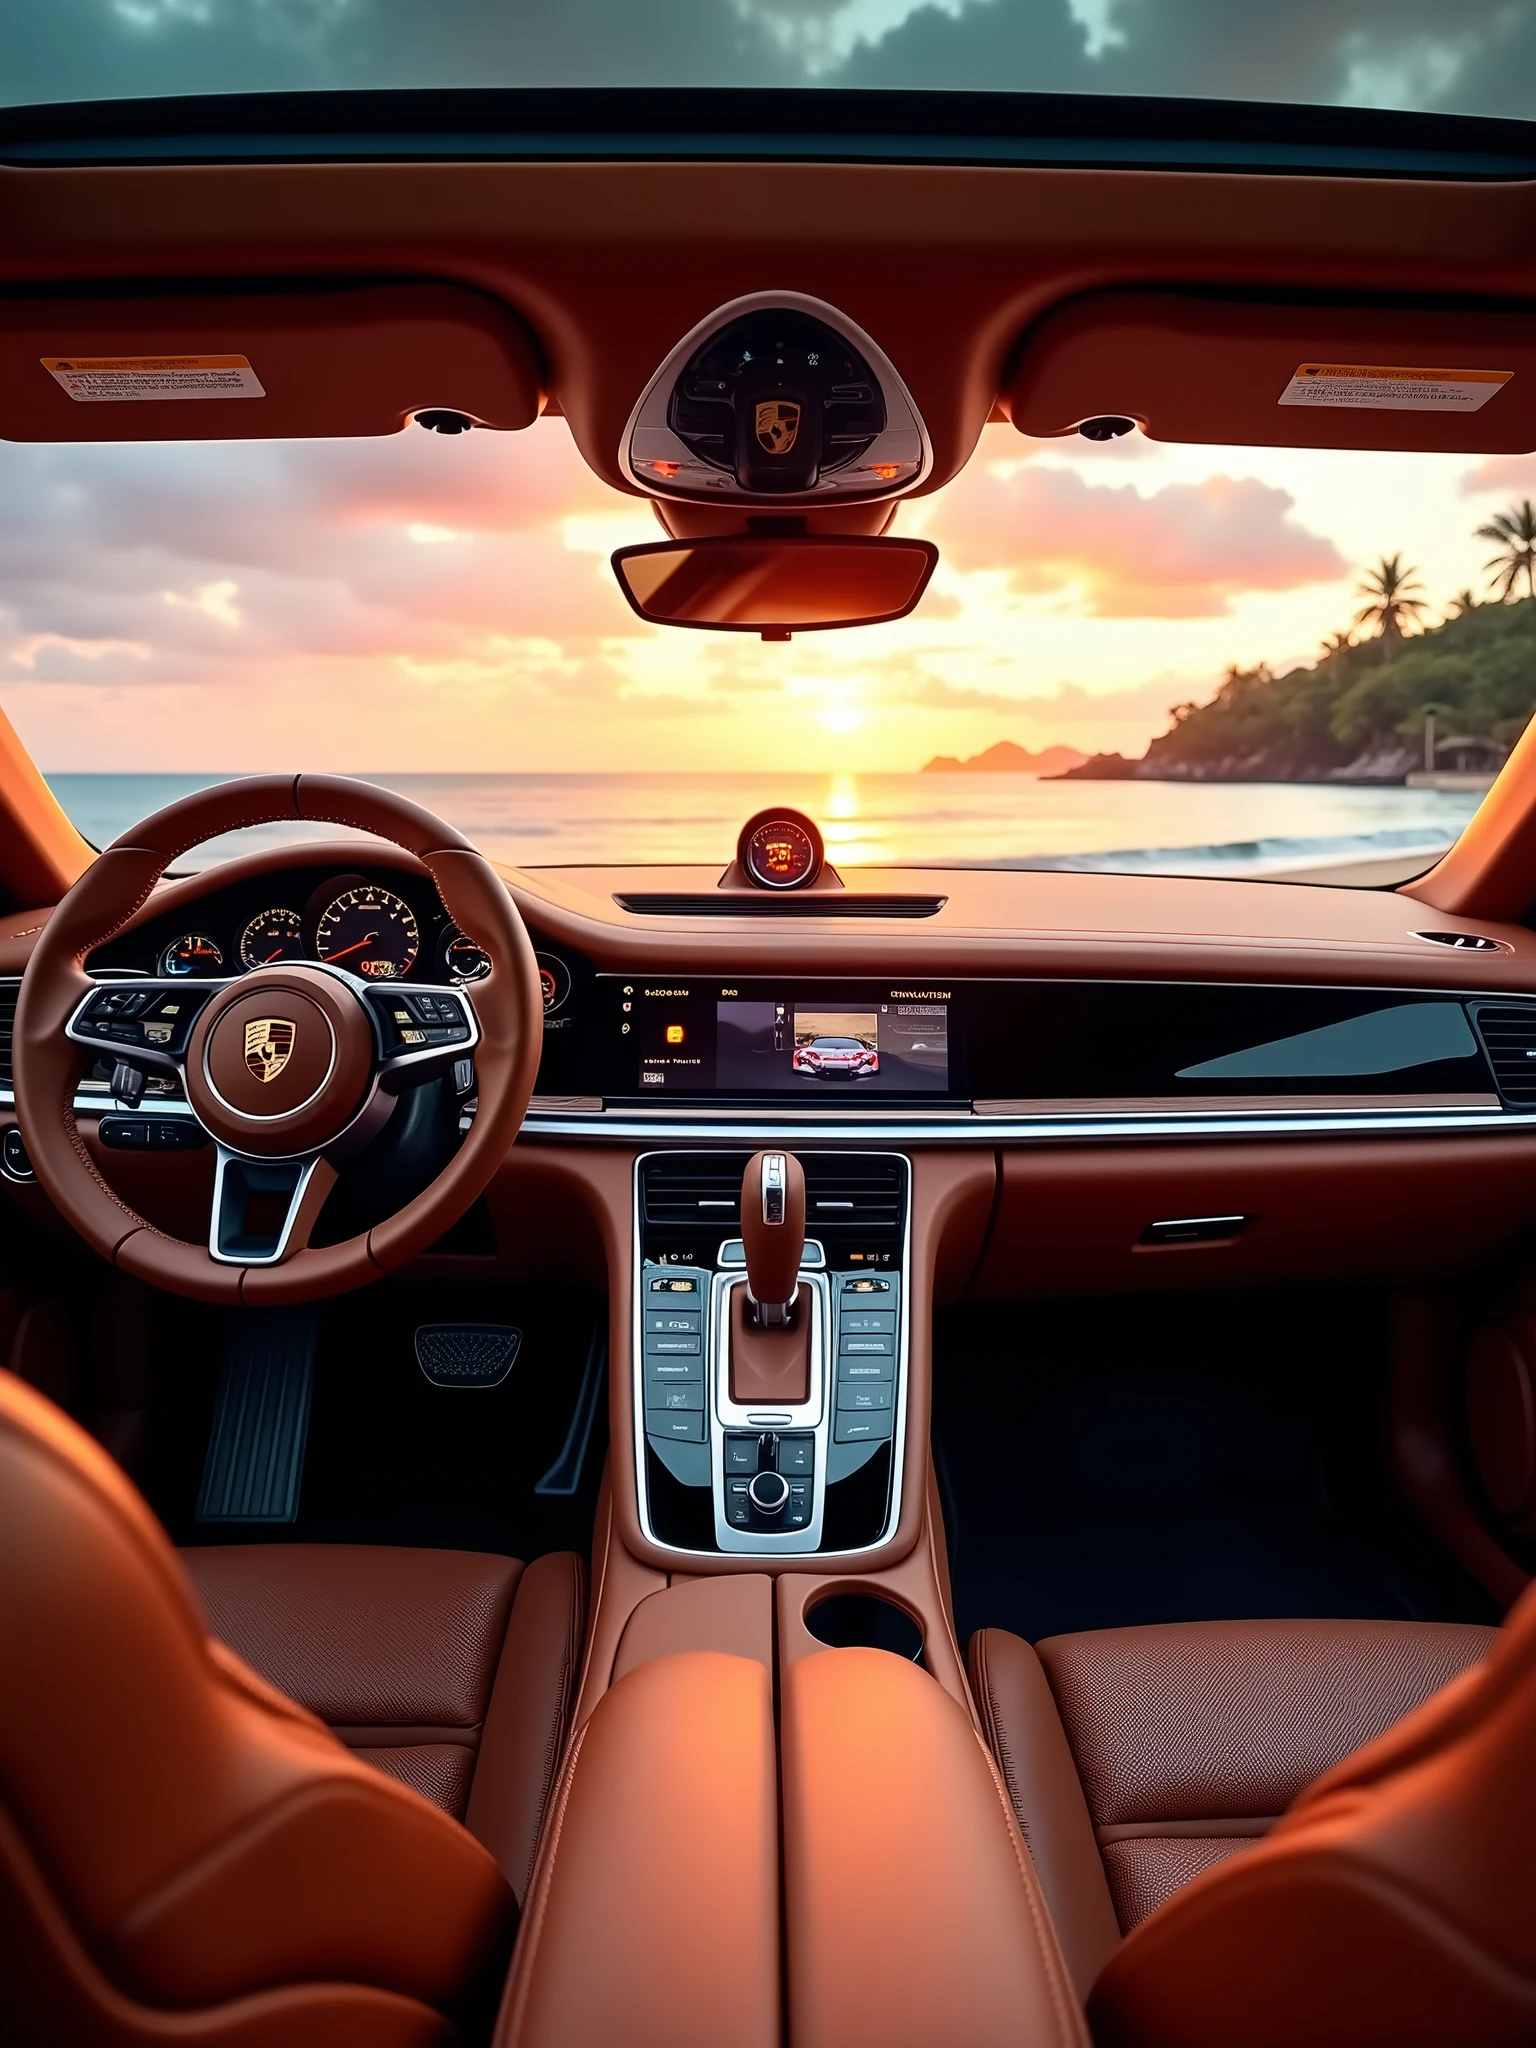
439	604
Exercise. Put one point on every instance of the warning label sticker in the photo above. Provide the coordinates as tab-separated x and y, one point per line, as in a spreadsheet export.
1392	390
114	380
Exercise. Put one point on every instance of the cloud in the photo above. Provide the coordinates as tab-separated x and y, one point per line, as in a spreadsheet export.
1185	551
212	560
1501	473
1069	704
1479	55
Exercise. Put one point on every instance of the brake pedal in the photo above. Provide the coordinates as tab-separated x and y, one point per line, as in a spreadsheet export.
255	1455
467	1354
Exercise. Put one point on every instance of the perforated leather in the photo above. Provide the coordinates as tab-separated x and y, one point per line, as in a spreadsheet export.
1144	1870
1214	1719
439	1771
364	1635
1173	1726
450	1671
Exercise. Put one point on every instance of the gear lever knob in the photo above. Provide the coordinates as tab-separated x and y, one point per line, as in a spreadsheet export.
773	1231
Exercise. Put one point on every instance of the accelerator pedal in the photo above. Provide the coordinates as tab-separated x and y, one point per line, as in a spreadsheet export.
255	1455
466	1354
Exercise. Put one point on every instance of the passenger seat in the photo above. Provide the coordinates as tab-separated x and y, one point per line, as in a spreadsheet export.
1393	1903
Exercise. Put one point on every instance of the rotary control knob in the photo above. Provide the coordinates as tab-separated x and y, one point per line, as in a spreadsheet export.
768	1492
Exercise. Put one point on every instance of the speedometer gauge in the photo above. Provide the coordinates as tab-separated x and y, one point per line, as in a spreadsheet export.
272	935
370	931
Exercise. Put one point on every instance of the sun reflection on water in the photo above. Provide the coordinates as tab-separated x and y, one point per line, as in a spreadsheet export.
851	834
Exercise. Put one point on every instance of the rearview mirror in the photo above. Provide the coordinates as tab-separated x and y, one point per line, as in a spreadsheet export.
775	584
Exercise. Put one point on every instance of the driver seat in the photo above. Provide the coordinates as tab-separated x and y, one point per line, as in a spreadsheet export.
187	1854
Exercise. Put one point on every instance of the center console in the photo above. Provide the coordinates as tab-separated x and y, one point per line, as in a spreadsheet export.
759	1433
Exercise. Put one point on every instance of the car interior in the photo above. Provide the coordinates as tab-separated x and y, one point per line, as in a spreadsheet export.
759	1451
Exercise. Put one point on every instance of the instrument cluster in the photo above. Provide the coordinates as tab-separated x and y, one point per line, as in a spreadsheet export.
379	930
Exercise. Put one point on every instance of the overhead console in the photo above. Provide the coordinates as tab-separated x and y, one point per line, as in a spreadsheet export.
777	400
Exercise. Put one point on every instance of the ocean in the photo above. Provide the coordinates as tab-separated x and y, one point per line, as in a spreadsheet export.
912	820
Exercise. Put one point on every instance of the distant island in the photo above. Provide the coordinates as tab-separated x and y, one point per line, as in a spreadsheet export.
1007	759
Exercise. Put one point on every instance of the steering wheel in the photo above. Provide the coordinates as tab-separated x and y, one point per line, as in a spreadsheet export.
291	1069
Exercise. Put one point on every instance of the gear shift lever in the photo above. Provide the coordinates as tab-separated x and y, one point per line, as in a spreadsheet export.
773	1233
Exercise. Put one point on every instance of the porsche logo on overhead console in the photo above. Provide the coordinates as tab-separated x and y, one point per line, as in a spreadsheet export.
778	422
268	1046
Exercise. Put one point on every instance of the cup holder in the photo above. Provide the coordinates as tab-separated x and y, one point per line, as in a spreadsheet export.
863	1621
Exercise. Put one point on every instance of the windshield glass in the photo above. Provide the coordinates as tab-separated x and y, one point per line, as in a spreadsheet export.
1132	656
1465	56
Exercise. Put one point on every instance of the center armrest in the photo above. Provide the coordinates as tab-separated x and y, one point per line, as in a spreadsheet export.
653	1916
912	1911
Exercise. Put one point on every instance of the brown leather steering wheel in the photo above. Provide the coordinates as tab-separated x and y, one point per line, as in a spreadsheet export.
291	1069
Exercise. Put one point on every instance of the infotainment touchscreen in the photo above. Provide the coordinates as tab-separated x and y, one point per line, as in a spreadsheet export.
837	1042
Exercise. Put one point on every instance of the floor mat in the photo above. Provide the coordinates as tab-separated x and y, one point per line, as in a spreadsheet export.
1103	1464
392	1458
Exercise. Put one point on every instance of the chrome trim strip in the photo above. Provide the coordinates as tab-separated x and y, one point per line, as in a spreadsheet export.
959	1130
228	1158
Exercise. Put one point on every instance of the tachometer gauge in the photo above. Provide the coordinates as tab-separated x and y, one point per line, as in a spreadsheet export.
370	931
464	960
272	935
192	953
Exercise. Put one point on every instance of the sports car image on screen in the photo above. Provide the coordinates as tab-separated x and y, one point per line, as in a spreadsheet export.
845	1057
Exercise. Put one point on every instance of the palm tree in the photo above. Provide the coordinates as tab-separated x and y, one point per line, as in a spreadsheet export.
1463	602
1392	596
1515	533
1335	643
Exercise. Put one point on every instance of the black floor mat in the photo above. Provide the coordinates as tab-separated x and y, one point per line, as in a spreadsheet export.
1103	1464
391	1458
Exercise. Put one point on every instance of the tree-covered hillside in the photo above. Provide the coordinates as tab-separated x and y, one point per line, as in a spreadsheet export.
1358	713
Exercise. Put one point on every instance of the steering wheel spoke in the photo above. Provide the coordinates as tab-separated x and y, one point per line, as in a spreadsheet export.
422	1032
142	1022
264	1209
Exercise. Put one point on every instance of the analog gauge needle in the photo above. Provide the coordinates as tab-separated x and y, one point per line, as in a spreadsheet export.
333	957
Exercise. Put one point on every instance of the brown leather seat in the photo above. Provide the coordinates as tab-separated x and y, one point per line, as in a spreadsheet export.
450	1670
188	1855
1390	1899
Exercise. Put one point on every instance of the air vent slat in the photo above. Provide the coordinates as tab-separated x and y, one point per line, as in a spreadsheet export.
1509	1039
828	903
9	991
837	1190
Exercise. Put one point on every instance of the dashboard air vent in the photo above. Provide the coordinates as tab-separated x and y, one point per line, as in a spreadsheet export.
1508	1033
9	991
694	1188
1465	942
829	903
846	1189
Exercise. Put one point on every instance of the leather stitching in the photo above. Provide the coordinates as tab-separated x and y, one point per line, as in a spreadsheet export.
1068	2013
997	1734
527	1947
555	1736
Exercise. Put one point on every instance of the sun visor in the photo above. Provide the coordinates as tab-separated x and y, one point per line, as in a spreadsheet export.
271	365
1248	373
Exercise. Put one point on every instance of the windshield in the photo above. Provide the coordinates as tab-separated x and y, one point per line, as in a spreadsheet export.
1466	56
1132	656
